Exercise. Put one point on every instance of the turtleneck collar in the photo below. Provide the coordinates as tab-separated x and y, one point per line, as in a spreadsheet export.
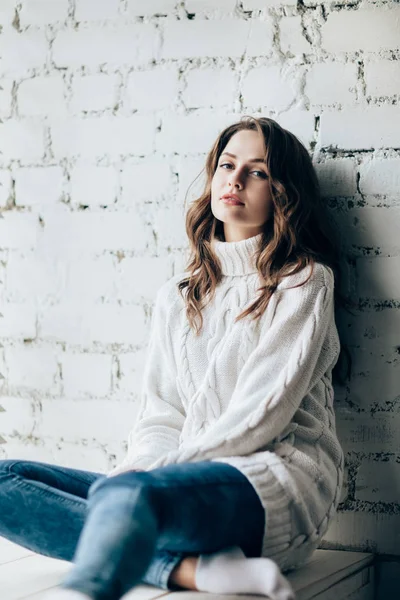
237	258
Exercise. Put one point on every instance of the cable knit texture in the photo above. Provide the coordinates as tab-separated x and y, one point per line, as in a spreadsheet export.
255	394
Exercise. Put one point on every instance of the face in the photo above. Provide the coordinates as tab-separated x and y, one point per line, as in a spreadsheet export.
241	171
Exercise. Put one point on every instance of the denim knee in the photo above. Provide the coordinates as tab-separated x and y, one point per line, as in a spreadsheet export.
6	463
96	484
128	479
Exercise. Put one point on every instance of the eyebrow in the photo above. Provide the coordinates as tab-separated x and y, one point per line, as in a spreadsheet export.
253	160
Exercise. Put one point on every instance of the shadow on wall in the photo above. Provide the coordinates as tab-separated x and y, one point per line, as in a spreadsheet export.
367	406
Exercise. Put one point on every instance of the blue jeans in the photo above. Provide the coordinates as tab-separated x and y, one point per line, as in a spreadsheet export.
131	528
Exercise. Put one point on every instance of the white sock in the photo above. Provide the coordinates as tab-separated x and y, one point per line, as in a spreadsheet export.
231	572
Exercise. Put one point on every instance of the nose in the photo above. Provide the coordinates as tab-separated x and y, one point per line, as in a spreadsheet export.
235	180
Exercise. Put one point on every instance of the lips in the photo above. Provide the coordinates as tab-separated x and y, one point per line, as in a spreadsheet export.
231	199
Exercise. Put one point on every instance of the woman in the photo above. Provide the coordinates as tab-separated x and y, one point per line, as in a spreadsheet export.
234	470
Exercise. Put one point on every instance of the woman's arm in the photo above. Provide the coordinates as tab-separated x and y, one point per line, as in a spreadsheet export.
161	414
289	358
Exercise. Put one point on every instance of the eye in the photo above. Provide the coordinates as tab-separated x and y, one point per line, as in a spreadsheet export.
261	174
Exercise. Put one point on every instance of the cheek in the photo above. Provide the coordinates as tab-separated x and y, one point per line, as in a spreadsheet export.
215	184
263	200
266	193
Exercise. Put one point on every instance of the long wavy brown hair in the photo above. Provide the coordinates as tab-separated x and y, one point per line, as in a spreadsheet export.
299	234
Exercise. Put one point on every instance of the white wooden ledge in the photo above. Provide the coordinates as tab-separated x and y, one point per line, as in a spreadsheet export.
330	575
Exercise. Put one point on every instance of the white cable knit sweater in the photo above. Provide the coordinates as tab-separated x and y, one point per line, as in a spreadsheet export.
255	394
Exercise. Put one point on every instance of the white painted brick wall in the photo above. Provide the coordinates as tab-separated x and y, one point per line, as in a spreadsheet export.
196	131
78	421
149	181
5	187
42	12
32	274
381	529
292	37
370	227
96	137
137	8
369	29
19	230
260	40
18	321
22	52
67	233
86	375
337	177
18	418
331	83
32	368
107	112
22	140
6	97
67	454
131	270
94	92
87	10
359	129
300	122
375	277
209	88
152	90
375	379
203	38
380	176
268	87
169	226
363	435
87	280
131	365
35	186
260	4
379	333
7	12
95	45
93	186
194	6
382	78
42	96
86	324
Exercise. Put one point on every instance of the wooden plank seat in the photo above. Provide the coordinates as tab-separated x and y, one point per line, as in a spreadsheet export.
330	575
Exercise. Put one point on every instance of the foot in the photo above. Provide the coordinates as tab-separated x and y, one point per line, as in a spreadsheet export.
184	573
231	572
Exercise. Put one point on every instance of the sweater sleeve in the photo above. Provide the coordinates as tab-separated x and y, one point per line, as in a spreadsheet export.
161	414
276	376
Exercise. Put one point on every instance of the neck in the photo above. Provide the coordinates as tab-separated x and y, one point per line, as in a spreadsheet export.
238	257
233	235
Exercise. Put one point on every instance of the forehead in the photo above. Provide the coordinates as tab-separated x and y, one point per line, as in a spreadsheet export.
246	144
